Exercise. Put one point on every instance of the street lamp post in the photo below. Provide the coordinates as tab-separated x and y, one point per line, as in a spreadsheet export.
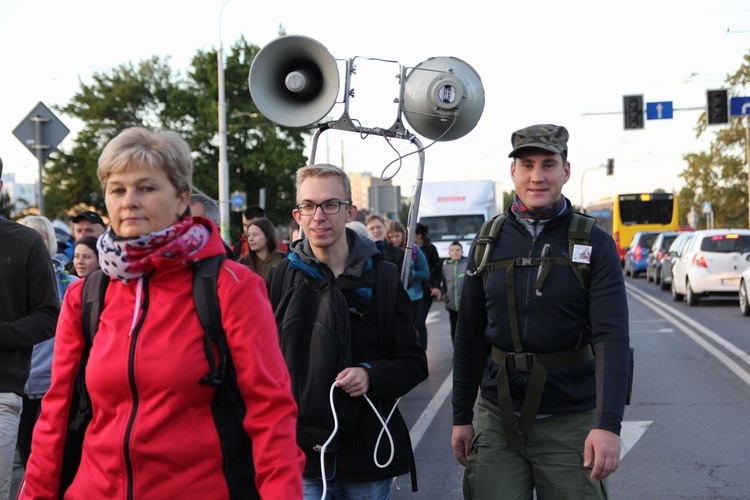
223	164
583	210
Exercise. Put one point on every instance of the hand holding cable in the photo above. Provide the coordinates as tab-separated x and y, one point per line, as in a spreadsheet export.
355	381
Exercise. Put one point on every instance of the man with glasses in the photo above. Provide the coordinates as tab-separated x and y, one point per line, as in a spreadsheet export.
372	363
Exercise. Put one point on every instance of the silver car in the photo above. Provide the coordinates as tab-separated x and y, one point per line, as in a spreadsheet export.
711	264
674	251
745	292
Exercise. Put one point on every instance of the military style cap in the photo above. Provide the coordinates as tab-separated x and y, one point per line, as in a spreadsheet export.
552	138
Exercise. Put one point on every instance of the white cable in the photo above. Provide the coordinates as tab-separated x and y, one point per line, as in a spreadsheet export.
328	441
384	428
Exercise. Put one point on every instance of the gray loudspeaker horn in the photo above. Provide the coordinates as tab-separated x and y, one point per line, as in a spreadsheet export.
443	98
294	81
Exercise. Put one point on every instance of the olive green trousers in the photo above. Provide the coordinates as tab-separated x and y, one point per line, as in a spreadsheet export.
551	463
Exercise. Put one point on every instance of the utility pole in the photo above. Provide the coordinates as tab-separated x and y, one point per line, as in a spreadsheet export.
223	164
747	161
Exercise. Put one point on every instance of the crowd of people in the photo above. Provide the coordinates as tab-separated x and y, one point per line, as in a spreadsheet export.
324	309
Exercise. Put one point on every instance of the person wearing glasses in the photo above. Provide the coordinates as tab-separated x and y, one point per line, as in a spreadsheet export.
381	363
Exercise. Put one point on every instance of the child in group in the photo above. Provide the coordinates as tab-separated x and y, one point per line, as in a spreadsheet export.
454	270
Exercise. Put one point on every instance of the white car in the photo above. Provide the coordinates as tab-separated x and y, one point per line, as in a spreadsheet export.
711	264
745	292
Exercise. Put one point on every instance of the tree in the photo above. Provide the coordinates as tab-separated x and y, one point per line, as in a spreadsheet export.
7	207
720	175
150	94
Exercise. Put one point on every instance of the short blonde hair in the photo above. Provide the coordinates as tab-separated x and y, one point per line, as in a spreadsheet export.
374	216
325	170
44	227
160	149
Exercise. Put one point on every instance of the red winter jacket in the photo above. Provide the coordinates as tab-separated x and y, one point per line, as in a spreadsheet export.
152	434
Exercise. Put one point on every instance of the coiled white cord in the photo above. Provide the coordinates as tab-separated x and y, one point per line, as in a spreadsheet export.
384	429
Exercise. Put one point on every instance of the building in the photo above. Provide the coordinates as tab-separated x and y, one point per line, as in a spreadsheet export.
374	194
22	196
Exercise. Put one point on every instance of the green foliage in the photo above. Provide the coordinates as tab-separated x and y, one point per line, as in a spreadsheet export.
7	208
150	94
720	175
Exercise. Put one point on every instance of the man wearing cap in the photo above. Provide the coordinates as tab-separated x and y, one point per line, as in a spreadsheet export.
552	429
88	223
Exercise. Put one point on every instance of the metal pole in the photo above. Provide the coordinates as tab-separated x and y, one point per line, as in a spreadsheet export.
413	212
747	160
38	121
223	164
583	210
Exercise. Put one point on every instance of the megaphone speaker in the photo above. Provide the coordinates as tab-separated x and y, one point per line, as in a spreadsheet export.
294	81
443	98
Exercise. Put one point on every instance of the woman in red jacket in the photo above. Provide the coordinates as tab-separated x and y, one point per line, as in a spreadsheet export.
152	434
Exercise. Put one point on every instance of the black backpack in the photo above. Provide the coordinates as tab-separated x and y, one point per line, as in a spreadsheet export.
227	406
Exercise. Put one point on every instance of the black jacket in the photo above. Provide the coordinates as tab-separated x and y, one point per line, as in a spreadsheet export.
28	301
394	368
559	318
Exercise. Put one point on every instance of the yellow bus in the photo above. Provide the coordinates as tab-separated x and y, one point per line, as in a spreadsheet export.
623	215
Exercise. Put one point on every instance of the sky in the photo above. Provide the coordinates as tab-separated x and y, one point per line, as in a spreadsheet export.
567	63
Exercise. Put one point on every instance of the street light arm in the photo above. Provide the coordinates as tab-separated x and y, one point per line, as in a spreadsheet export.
583	210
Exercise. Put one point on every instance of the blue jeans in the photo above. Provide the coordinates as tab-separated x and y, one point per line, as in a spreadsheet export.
420	310
10	414
375	490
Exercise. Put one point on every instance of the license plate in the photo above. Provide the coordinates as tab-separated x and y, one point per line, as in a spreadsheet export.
731	282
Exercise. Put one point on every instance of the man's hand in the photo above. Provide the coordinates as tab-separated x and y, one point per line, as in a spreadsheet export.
461	442
354	380
601	453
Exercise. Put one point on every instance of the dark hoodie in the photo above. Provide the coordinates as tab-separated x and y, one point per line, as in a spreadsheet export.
393	370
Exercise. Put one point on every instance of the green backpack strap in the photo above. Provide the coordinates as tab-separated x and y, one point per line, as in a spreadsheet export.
484	245
579	233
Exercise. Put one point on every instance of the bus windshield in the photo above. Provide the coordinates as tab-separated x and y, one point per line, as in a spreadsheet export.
623	215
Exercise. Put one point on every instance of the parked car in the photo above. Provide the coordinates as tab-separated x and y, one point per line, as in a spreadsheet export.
745	292
636	256
665	266
658	250
711	264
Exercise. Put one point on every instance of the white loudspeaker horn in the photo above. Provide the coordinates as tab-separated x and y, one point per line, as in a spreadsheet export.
443	98
294	81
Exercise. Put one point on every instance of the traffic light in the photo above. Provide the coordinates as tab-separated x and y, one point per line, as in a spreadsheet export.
610	166
632	106
717	106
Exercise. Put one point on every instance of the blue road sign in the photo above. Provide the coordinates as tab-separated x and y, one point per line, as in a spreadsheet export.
238	200
739	106
659	110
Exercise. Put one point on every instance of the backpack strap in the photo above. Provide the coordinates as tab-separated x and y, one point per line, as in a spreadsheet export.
227	406
205	274
484	245
281	281
579	233
94	289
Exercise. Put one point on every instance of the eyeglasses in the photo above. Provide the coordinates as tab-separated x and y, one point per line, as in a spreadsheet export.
328	207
